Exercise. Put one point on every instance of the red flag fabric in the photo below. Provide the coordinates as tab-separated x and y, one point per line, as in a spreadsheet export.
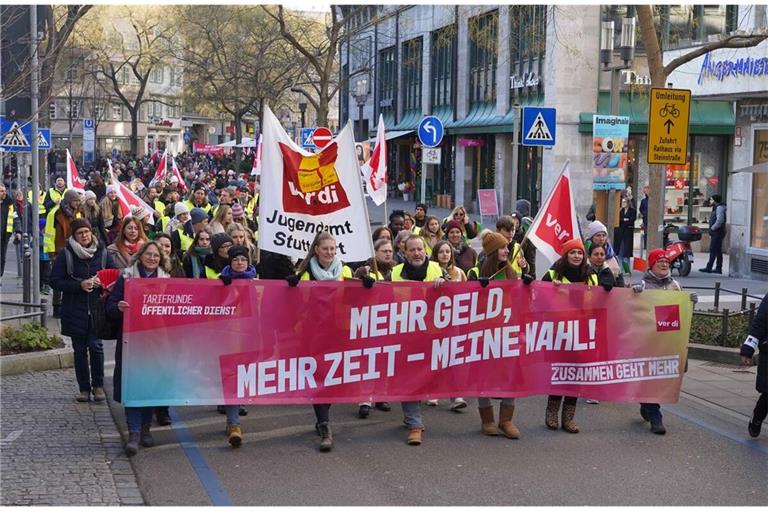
127	199
556	222
176	173
256	167
162	168
73	177
375	169
639	264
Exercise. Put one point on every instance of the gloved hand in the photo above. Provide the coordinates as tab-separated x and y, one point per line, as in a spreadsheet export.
368	281
694	297
292	279
607	287
227	280
527	279
483	281
638	288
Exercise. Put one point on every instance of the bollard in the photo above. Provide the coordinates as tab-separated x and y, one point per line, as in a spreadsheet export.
44	312
744	292
725	326
751	315
717	295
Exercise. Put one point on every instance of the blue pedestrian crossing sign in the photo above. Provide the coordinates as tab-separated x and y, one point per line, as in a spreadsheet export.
16	136
306	138
431	131
539	126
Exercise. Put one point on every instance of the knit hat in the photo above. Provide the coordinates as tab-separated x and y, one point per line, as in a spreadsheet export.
218	240
238	250
69	196
197	186
179	209
237	211
198	215
656	255
111	188
89	194
452	224
79	223
570	245
138	213
594	228
492	241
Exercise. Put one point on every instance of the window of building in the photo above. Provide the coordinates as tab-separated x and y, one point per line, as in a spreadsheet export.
687	25
387	81
443	47
52	110
483	54
760	194
156	75
527	46
98	112
117	112
412	73
72	109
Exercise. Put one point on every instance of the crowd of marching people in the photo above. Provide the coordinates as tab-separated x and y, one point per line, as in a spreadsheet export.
207	228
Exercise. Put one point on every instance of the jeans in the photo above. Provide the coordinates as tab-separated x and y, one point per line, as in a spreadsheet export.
88	374
484	402
233	416
322	412
761	408
412	413
136	417
716	251
653	411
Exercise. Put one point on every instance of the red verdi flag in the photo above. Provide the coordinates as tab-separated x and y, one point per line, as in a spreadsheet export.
556	222
176	173
73	177
375	169
127	199
304	193
162	168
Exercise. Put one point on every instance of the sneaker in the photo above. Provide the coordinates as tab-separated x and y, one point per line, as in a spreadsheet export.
383	406
242	412
754	427
458	404
99	395
705	270
657	427
83	396
432	403
234	435
364	411
592	401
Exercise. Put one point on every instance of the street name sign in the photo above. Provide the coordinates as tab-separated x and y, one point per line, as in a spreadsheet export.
431	131
539	126
668	118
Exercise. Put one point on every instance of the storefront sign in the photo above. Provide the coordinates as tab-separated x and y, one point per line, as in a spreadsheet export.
610	136
526	80
198	342
431	156
489	205
162	122
471	143
210	149
632	78
755	111
723	72
712	69
668	117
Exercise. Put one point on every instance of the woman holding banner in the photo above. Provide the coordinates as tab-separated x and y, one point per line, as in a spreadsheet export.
322	264
148	264
571	268
597	234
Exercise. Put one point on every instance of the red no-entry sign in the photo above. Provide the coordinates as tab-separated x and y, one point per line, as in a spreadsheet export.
321	137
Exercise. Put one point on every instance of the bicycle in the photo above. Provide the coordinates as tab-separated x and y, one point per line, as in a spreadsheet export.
669	109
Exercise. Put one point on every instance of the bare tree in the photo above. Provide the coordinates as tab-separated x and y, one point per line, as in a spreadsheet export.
659	72
235	60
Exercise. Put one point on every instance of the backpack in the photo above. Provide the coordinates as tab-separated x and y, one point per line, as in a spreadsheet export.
103	327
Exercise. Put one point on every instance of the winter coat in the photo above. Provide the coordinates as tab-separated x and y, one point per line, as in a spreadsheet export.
118	294
717	219
652	282
466	257
117	257
624	235
76	304
758	337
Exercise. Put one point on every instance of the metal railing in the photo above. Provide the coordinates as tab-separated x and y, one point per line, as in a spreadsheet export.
28	313
726	314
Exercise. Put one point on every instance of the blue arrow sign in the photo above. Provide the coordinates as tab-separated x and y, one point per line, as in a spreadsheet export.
16	136
431	131
539	126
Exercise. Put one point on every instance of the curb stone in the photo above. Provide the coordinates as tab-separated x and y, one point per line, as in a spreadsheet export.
55	359
715	354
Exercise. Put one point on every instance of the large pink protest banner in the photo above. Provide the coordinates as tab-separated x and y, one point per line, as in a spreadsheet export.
197	342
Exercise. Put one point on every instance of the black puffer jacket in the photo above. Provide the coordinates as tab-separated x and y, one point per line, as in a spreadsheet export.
76	304
758	335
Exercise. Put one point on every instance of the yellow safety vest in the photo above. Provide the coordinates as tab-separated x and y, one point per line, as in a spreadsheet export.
434	272
159	207
164	222
346	273
552	275
189	205
40	201
210	273
251	206
11	216
56	195
49	236
184	239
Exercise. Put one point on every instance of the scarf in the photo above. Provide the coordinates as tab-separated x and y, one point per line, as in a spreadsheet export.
414	273
128	249
84	253
332	274
66	210
250	273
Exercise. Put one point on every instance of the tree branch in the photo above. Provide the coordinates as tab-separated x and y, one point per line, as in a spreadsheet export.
733	41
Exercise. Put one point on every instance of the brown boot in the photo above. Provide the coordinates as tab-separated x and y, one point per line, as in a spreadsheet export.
553	407
488	422
569	411
506	424
414	436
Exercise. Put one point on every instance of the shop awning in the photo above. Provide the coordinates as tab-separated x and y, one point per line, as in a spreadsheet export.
394	134
410	120
481	118
707	117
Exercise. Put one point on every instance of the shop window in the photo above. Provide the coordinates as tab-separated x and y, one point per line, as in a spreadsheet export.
387	81
759	231
527	46
412	72
443	45
483	55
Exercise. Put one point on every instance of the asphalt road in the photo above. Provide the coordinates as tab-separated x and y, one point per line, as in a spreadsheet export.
705	459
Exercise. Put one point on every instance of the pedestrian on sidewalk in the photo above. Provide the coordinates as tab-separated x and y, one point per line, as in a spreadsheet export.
716	235
74	274
758	337
148	263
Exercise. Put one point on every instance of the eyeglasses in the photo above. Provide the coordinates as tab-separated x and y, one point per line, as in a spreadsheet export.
458	215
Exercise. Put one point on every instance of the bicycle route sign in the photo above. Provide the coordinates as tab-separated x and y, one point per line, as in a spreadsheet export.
668	119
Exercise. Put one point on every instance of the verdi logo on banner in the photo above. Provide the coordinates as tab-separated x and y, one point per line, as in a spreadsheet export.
311	183
610	136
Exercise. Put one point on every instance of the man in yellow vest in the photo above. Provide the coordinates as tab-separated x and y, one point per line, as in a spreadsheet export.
58	231
183	236
55	194
416	268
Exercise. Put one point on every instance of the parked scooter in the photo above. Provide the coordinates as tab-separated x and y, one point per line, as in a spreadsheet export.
679	251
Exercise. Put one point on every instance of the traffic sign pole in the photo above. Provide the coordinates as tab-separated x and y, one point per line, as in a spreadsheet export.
35	156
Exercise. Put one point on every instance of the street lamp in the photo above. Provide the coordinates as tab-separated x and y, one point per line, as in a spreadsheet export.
302	109
361	96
